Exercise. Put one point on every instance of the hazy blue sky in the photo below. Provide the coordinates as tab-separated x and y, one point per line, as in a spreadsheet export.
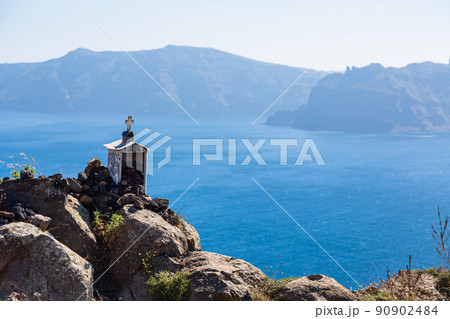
393	32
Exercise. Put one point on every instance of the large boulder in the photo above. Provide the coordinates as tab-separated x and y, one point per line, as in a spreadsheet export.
142	231
13	237
35	266
315	288
212	277
219	277
137	289
70	220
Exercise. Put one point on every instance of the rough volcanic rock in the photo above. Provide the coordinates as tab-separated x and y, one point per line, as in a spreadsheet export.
412	286
142	231
313	288
105	202
70	220
41	221
26	175
29	212
74	185
82	177
19	212
56	177
79	237
92	164
137	289
192	236
160	204
35	266
157	205
13	238
137	201
6	215
86	200
219	277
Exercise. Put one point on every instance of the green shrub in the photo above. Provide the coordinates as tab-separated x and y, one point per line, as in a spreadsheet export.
114	223
30	169
166	286
271	288
378	296
15	174
146	262
174	219
97	222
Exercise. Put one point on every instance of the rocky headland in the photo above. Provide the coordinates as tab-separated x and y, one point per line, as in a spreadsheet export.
88	238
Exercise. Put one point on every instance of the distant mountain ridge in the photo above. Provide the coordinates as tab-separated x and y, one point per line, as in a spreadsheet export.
376	99
202	80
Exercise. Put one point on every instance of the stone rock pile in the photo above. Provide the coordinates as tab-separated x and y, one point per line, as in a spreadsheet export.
96	189
132	177
18	213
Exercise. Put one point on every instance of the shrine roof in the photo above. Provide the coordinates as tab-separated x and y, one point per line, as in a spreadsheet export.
119	145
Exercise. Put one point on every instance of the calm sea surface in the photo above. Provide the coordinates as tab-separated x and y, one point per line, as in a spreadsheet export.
369	207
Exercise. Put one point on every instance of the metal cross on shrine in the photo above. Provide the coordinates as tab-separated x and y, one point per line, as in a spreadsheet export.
129	122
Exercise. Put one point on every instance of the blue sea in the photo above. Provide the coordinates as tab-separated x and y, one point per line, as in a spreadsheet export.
369	207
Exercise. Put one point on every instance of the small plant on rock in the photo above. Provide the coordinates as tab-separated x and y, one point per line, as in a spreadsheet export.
173	218
378	296
104	228
114	223
30	169
166	286
403	286
146	262
97	222
272	286
15	174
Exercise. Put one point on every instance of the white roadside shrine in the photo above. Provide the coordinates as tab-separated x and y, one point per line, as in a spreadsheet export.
126	154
